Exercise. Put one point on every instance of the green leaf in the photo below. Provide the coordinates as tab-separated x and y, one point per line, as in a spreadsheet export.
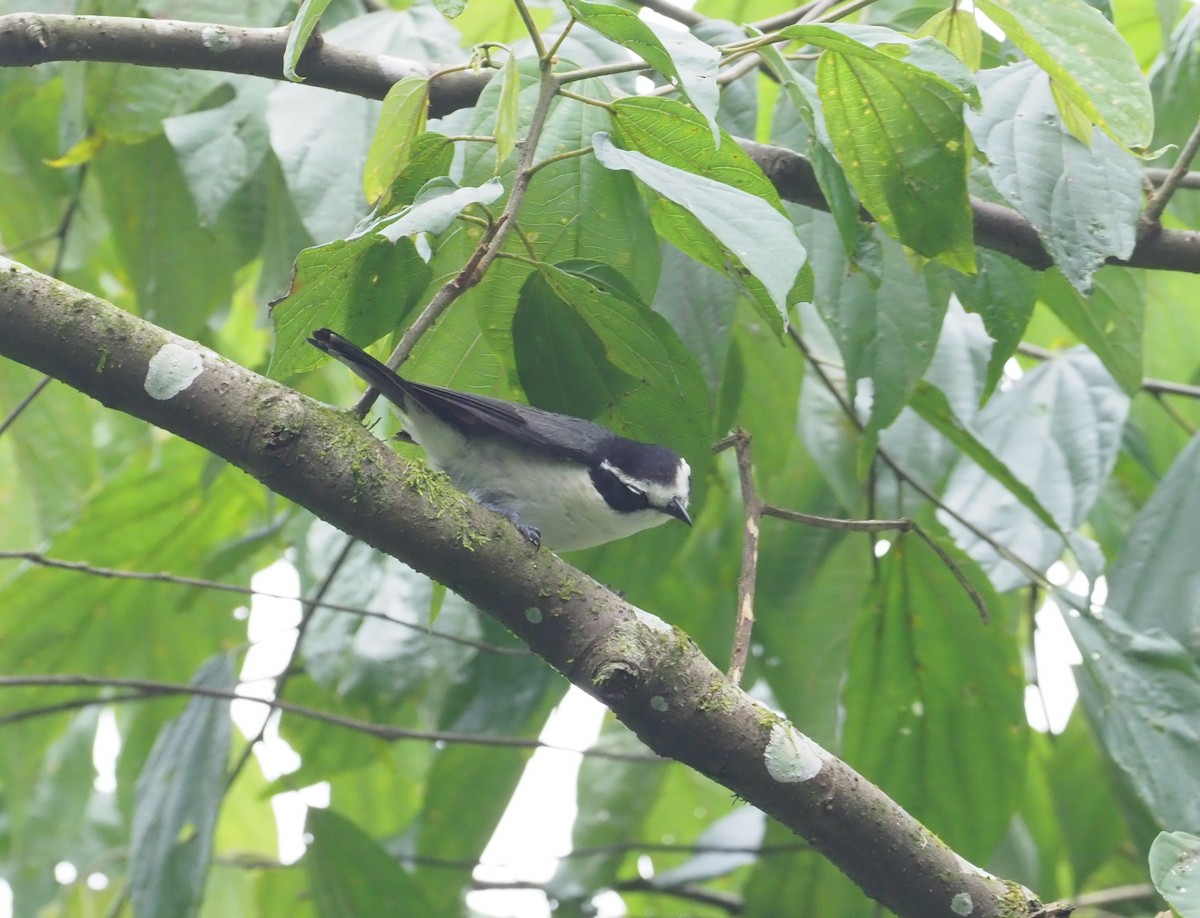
221	149
1002	292
1084	201
902	143
886	332
756	244
436	209
302	28
179	795
931	404
401	123
1174	858
915	59
843	203
679	56
647	385
1058	430
1109	321
670	132
929	681
508	109
360	287
1154	582
180	271
613	803
958	30
1087	57
351	876
1141	689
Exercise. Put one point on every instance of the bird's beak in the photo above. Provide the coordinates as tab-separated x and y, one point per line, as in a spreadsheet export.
676	509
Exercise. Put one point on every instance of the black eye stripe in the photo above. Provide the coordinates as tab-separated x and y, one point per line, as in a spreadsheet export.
617	494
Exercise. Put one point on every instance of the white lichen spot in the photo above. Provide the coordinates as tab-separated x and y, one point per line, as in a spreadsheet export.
961	904
533	615
172	370
216	39
651	621
659	703
790	756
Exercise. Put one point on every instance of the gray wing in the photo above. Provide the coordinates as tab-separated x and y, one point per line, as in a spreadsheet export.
567	437
558	434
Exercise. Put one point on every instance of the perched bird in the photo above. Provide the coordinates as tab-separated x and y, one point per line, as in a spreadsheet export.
561	479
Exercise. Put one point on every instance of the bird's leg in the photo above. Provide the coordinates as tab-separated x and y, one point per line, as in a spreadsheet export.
532	534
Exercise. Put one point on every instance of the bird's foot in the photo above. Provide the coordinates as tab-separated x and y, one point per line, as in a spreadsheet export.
532	534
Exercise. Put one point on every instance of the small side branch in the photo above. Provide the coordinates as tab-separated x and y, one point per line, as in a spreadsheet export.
753	512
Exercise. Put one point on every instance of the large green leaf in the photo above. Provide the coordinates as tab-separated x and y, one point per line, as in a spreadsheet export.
401	122
1083	200
726	228
902	143
1058	431
1141	689
221	149
886	332
643	380
179	795
1087	58
922	59
929	685
361	287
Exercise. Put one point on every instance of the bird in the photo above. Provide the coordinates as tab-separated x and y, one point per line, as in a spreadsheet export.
562	480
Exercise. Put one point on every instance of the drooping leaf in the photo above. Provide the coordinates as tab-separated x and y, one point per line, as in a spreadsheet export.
902	143
507	109
927	682
1058	430
1084	200
179	795
1109	320
401	122
742	233
1087	57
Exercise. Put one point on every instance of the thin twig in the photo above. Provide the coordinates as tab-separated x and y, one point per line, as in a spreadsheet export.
308	610
24	403
911	480
1152	215
81	567
151	689
1153	386
753	511
670	10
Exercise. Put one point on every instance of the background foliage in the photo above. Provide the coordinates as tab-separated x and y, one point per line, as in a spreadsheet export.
1040	425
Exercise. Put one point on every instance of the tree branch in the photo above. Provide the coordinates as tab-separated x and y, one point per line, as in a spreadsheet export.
29	38
653	677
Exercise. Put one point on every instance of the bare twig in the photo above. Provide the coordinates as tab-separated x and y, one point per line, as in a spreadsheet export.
24	403
148	689
1152	215
81	567
753	511
306	614
668	9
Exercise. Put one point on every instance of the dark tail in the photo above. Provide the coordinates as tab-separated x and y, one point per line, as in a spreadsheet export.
390	385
